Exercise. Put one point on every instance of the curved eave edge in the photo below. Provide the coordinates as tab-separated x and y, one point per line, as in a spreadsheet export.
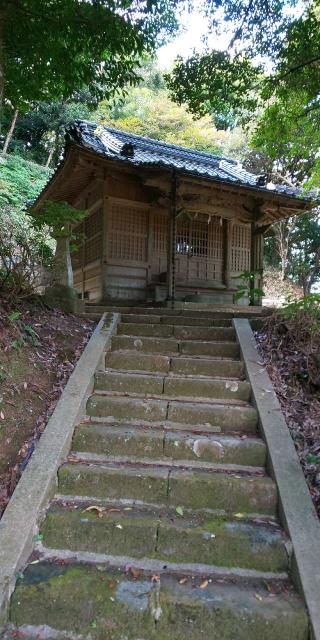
306	202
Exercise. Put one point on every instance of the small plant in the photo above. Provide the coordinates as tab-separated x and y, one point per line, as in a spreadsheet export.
309	304
14	315
32	335
18	343
247	287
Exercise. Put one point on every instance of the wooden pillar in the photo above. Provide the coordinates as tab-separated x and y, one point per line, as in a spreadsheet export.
171	253
104	256
256	264
227	245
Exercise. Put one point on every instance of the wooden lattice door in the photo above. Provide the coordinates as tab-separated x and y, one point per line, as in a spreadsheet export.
199	251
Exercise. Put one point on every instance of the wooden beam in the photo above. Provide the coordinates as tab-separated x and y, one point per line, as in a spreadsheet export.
89	188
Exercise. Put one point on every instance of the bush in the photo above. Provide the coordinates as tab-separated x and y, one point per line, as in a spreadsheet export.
24	252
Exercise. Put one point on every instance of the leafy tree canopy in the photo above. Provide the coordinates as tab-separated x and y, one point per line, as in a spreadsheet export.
52	48
20	181
270	71
147	110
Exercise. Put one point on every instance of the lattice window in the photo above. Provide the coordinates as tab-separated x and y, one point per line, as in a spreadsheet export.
160	224
128	233
199	249
89	240
199	239
240	248
93	237
77	247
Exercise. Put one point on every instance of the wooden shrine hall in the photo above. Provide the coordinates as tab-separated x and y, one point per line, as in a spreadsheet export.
162	222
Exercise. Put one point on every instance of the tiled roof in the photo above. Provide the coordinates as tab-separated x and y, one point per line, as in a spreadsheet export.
145	152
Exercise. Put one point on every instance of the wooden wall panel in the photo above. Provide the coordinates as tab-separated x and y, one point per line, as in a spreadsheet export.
240	248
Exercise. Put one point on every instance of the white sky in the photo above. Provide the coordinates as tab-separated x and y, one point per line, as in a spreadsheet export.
194	28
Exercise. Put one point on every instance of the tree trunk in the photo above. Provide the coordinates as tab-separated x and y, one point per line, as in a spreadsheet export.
2	17
10	132
51	152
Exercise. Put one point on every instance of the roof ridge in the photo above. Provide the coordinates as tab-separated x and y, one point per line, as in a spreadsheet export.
161	143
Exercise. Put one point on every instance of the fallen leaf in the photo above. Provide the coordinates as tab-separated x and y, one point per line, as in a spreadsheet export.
179	510
204	584
1	415
135	572
259	597
100	510
183	580
238	515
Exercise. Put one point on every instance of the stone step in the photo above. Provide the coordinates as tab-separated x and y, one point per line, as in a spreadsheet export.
230	492
197	312
176	320
198	348
223	417
207	367
221	334
172	385
156	363
100	603
143	532
117	440
218	334
170	346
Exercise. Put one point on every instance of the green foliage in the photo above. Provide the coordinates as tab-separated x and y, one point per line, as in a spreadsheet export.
309	304
39	133
56	47
148	110
247	287
20	181
23	248
14	316
284	96
57	217
216	84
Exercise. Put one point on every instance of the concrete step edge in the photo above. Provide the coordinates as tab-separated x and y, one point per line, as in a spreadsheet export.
151	566
121	503
81	457
181	400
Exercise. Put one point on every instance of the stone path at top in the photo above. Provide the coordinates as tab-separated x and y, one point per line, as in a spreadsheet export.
165	523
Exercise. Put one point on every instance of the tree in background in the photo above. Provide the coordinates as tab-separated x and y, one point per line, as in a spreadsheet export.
271	71
52	48
147	110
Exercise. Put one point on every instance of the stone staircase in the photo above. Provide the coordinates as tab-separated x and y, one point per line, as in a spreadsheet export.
164	524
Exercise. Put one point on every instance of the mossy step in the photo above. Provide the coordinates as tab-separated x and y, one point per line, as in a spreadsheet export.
137	344
197	387
110	605
157	443
129	382
171	385
219	334
171	346
175	320
168	537
179	332
207	367
202	347
154	363
224	417
157	330
156	485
